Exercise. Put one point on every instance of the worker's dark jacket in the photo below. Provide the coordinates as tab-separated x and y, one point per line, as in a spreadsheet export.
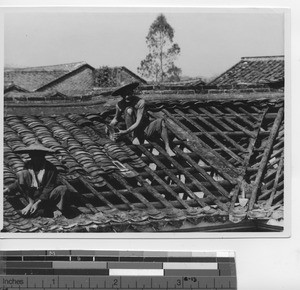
48	183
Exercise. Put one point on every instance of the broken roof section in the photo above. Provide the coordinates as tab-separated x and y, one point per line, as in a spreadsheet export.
224	149
36	78
253	71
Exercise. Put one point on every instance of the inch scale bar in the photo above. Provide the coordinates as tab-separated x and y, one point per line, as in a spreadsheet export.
117	270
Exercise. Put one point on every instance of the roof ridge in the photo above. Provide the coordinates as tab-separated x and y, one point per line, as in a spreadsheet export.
274	57
48	66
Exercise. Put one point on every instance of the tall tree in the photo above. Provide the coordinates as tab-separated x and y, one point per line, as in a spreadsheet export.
159	62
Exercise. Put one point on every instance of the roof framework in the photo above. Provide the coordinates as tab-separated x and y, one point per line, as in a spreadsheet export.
223	148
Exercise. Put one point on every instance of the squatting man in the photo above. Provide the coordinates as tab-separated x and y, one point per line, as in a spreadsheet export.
39	184
138	125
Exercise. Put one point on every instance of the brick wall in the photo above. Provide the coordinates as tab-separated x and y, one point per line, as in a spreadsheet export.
82	79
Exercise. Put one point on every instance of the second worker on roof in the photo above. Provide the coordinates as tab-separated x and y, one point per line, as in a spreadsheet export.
138	125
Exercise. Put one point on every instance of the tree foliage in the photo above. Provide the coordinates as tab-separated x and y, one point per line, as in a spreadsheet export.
106	77
158	64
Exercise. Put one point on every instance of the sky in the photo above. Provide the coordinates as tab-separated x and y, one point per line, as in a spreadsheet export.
210	42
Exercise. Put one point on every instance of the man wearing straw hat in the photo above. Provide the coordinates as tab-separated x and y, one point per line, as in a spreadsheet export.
138	125
38	183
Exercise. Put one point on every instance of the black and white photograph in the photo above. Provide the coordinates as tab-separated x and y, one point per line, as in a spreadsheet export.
144	121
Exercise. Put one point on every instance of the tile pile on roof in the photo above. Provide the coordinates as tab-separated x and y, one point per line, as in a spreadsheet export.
223	149
266	70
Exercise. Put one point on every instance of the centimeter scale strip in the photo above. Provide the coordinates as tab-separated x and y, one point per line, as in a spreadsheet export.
116	270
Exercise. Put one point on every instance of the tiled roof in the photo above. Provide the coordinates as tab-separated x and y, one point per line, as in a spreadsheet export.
47	97
253	71
222	148
106	77
133	75
67	67
11	87
33	78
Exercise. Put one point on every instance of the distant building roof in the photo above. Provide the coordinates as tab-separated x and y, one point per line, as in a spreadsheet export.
186	83
253	71
115	76
34	78
12	87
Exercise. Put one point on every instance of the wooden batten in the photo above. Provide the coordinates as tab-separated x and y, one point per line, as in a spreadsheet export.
265	159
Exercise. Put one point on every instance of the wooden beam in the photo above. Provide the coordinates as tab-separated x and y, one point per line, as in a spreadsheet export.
231	134
278	198
250	150
221	133
95	192
133	191
267	192
234	124
269	184
154	192
212	138
81	196
254	116
119	195
275	152
173	177
205	152
206	158
188	175
215	118
166	187
255	109
176	204
266	155
202	172
241	118
161	189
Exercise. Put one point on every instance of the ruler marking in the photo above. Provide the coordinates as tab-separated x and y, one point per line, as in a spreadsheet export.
137	277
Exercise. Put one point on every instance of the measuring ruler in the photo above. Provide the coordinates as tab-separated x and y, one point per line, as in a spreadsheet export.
117	270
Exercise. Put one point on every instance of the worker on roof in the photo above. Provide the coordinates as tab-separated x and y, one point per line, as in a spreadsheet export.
138	126
38	183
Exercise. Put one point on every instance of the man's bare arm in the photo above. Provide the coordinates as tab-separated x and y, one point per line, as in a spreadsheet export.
117	116
139	116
